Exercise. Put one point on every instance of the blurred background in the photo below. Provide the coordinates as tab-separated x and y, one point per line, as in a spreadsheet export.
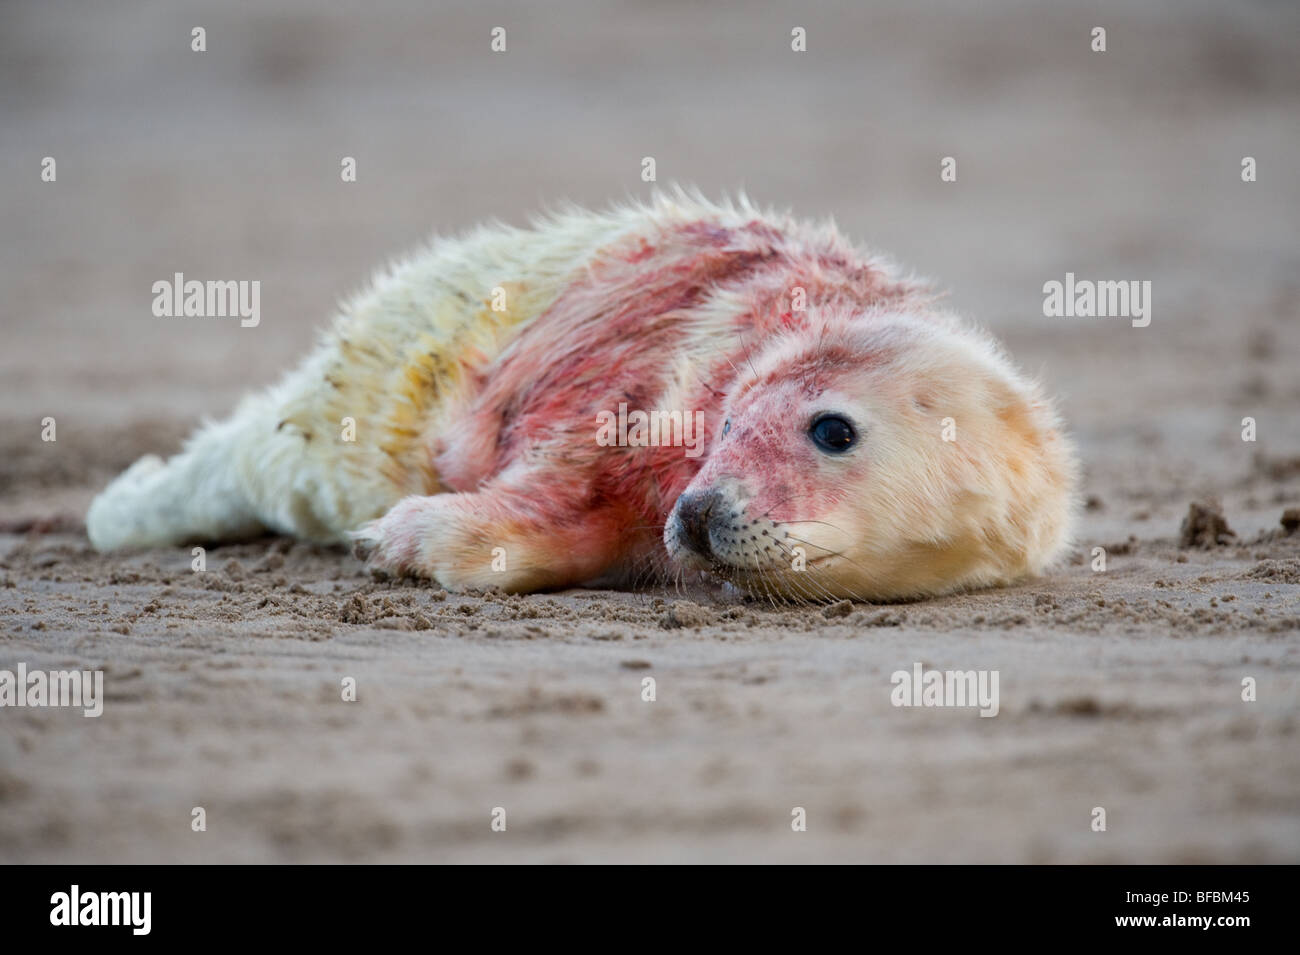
225	164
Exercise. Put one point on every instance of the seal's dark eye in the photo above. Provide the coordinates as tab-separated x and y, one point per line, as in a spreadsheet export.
726	427
832	434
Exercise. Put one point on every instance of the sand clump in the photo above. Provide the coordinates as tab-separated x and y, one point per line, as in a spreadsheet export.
1205	526
685	614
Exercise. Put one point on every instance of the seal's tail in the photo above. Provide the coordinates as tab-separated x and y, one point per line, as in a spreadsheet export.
195	496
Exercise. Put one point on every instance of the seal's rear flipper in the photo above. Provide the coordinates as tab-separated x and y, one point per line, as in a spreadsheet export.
195	496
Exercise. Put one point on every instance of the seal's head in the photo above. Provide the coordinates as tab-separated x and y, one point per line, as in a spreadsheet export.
878	456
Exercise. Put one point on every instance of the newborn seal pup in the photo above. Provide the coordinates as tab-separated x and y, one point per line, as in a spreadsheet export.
673	386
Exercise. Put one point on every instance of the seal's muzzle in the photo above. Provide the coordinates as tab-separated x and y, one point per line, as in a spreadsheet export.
697	512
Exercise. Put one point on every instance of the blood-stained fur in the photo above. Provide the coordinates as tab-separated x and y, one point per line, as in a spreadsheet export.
856	440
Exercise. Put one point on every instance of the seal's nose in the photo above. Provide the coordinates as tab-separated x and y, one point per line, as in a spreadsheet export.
695	509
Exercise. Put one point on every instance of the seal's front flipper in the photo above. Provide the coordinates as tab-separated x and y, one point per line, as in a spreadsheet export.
500	537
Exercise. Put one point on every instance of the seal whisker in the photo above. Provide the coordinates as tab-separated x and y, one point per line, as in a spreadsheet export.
774	584
802	580
763	582
745	348
810	576
829	552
